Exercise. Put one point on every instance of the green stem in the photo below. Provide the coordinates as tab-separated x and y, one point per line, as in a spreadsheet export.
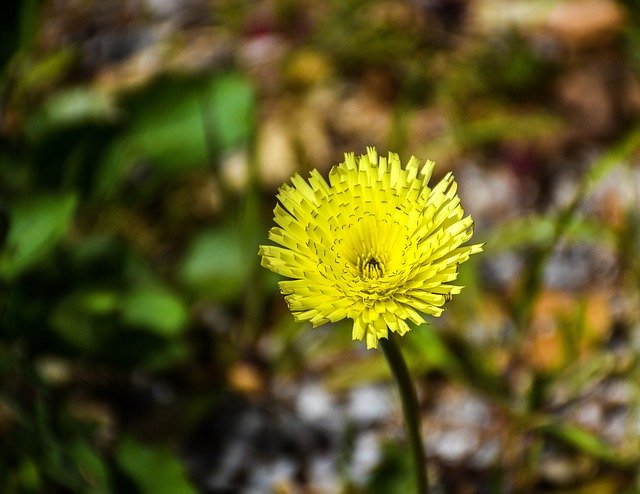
410	410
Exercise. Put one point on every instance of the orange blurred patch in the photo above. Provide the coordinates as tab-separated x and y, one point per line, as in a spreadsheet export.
245	378
564	325
585	23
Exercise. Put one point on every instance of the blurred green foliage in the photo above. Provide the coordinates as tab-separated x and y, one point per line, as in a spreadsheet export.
131	298
86	293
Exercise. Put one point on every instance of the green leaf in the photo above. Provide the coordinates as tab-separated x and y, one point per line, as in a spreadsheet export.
37	225
36	76
176	127
428	350
213	264
28	476
156	309
76	318
92	468
79	105
229	110
154	470
162	358
537	230
394	473
181	124
114	166
503	125
587	442
357	372
530	230
168	130
617	154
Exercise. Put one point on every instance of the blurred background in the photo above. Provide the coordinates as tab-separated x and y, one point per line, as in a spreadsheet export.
144	350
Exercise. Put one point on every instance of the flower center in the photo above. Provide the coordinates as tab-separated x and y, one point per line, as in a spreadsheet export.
370	267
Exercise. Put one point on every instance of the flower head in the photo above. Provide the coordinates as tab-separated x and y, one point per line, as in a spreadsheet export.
375	244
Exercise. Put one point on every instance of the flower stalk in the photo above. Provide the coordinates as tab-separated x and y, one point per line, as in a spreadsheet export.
410	410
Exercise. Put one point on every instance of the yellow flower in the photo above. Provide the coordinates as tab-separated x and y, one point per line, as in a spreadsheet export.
375	244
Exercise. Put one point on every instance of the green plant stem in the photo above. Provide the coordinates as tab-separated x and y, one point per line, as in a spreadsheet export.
410	410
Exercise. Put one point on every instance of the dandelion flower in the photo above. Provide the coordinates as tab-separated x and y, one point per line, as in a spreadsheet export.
376	244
